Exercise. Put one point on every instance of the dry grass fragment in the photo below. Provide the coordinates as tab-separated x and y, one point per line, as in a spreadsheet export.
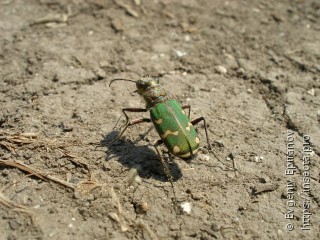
118	216
35	172
12	141
9	141
121	220
267	187
15	207
140	224
127	7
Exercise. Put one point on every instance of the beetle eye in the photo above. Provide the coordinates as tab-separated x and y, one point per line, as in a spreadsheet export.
139	84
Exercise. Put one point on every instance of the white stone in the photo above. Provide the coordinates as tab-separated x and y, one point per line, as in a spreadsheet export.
186	207
220	69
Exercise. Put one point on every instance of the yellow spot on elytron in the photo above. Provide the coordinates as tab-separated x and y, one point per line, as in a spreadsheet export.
176	149
159	121
186	155
189	125
197	140
169	132
183	112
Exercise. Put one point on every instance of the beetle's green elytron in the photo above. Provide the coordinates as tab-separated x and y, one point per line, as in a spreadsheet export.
175	129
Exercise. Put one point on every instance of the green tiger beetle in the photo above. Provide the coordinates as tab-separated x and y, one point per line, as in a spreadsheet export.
174	127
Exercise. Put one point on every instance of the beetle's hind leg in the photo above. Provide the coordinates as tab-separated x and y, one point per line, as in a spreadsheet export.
196	121
166	171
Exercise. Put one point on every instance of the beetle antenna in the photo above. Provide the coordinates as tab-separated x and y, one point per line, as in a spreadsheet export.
121	79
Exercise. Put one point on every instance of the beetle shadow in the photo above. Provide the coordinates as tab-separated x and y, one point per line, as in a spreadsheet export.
143	158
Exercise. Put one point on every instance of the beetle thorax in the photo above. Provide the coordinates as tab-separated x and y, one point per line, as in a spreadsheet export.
150	89
154	95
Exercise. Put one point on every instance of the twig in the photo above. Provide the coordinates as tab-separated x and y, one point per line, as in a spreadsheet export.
36	172
128	9
258	189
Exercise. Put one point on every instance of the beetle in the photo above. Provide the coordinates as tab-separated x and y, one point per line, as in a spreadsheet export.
173	125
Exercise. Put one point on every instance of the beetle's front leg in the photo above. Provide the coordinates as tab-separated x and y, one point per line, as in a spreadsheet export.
196	121
132	122
124	110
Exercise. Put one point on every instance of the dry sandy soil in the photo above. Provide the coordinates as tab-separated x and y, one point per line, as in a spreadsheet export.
251	68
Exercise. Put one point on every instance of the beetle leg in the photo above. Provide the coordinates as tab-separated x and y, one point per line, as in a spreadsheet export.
187	106
124	110
166	170
196	121
128	124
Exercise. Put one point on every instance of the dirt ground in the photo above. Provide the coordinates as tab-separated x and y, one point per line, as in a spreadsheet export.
251	68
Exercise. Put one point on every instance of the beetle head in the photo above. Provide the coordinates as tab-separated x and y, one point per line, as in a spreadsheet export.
145	83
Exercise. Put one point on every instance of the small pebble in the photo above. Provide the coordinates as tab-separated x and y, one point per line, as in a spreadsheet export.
174	226
117	25
204	157
138	179
141	207
180	53
203	150
186	207
31	161
220	143
220	69
100	73
14	225
196	197
241	71
66	127
311	92
187	38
